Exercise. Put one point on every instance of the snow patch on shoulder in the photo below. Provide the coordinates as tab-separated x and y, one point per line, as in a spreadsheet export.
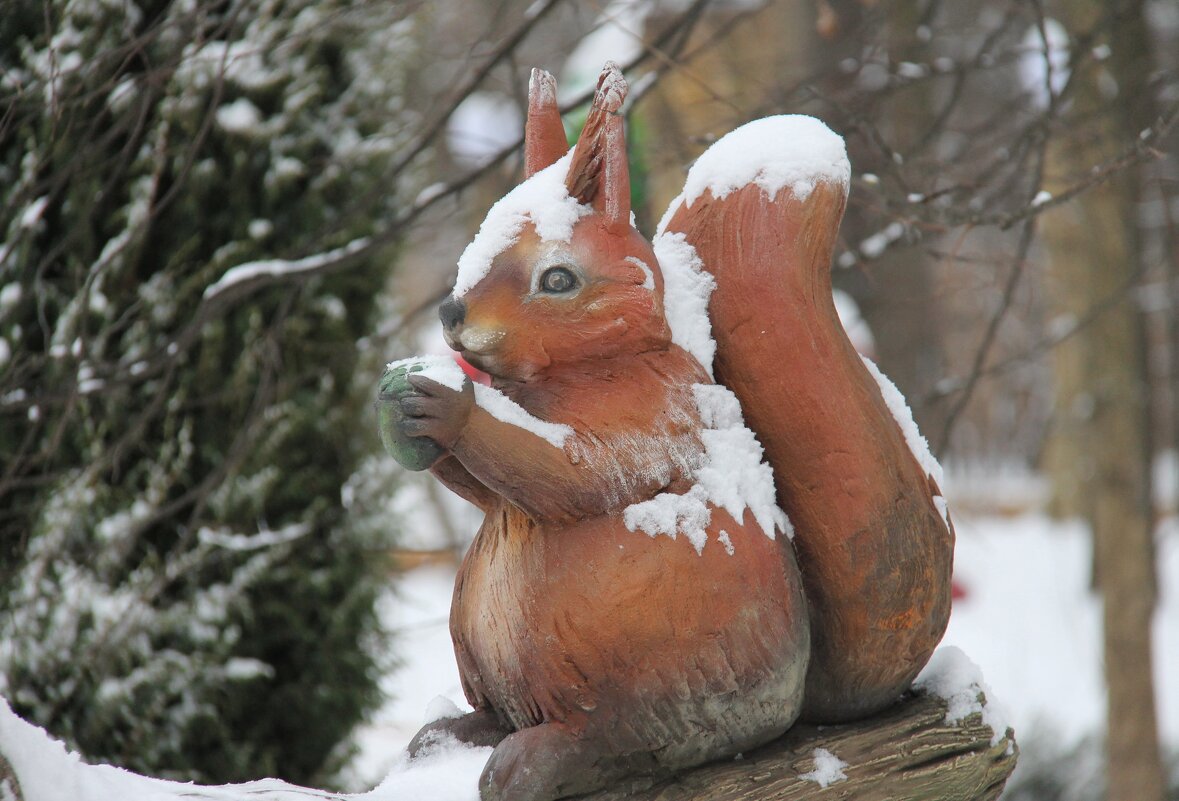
687	287
445	371
503	408
542	200
732	476
918	445
787	151
953	677
828	769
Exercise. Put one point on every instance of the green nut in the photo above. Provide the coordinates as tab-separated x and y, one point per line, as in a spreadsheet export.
413	453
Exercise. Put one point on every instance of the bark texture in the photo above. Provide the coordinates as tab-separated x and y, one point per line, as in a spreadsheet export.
906	752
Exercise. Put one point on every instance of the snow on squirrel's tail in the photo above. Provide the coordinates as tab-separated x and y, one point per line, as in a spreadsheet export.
762	208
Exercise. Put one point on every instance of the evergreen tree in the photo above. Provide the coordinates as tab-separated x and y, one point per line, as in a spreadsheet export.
181	591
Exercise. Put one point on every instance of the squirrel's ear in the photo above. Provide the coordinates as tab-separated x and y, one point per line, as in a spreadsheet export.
544	134
599	174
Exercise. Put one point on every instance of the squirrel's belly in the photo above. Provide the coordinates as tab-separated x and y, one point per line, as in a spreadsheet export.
595	625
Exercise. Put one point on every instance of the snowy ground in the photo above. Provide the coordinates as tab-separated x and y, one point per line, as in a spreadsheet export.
1028	620
417	611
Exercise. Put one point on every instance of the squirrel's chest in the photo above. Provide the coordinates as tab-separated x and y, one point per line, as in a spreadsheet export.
535	614
502	622
553	626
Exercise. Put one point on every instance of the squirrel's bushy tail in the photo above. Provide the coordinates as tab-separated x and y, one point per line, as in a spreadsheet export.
762	208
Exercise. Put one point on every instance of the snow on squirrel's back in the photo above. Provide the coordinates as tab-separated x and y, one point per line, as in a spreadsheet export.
789	150
775	152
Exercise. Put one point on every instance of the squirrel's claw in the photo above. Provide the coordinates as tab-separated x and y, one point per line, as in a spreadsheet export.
414	406
426	386
417	427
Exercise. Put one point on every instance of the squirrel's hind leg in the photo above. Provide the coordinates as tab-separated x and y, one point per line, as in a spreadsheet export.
550	761
479	728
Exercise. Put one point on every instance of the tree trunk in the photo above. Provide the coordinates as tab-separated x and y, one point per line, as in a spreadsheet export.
1099	455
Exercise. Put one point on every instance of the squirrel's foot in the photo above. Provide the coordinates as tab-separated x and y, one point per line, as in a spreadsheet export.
549	761
479	728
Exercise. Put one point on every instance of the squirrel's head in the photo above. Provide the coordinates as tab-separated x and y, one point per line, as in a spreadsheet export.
558	275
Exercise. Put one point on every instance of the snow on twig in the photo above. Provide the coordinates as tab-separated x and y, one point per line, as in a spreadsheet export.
286	268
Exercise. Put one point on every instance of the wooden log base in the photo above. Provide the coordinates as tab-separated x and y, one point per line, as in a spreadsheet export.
906	753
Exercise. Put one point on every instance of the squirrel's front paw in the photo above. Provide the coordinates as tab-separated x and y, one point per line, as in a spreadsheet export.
419	437
435	411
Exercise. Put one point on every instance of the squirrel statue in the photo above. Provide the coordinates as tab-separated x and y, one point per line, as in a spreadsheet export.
637	601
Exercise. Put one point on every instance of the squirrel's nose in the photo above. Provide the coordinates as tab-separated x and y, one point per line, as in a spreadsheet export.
452	311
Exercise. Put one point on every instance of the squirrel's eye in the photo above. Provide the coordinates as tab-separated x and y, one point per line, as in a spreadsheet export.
558	279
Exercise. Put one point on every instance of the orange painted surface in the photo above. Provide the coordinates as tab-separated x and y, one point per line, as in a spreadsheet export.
561	614
576	631
875	554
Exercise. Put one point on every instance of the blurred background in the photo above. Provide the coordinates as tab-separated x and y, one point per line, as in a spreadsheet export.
219	219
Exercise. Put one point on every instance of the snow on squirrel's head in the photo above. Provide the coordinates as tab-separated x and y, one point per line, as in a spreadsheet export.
557	274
